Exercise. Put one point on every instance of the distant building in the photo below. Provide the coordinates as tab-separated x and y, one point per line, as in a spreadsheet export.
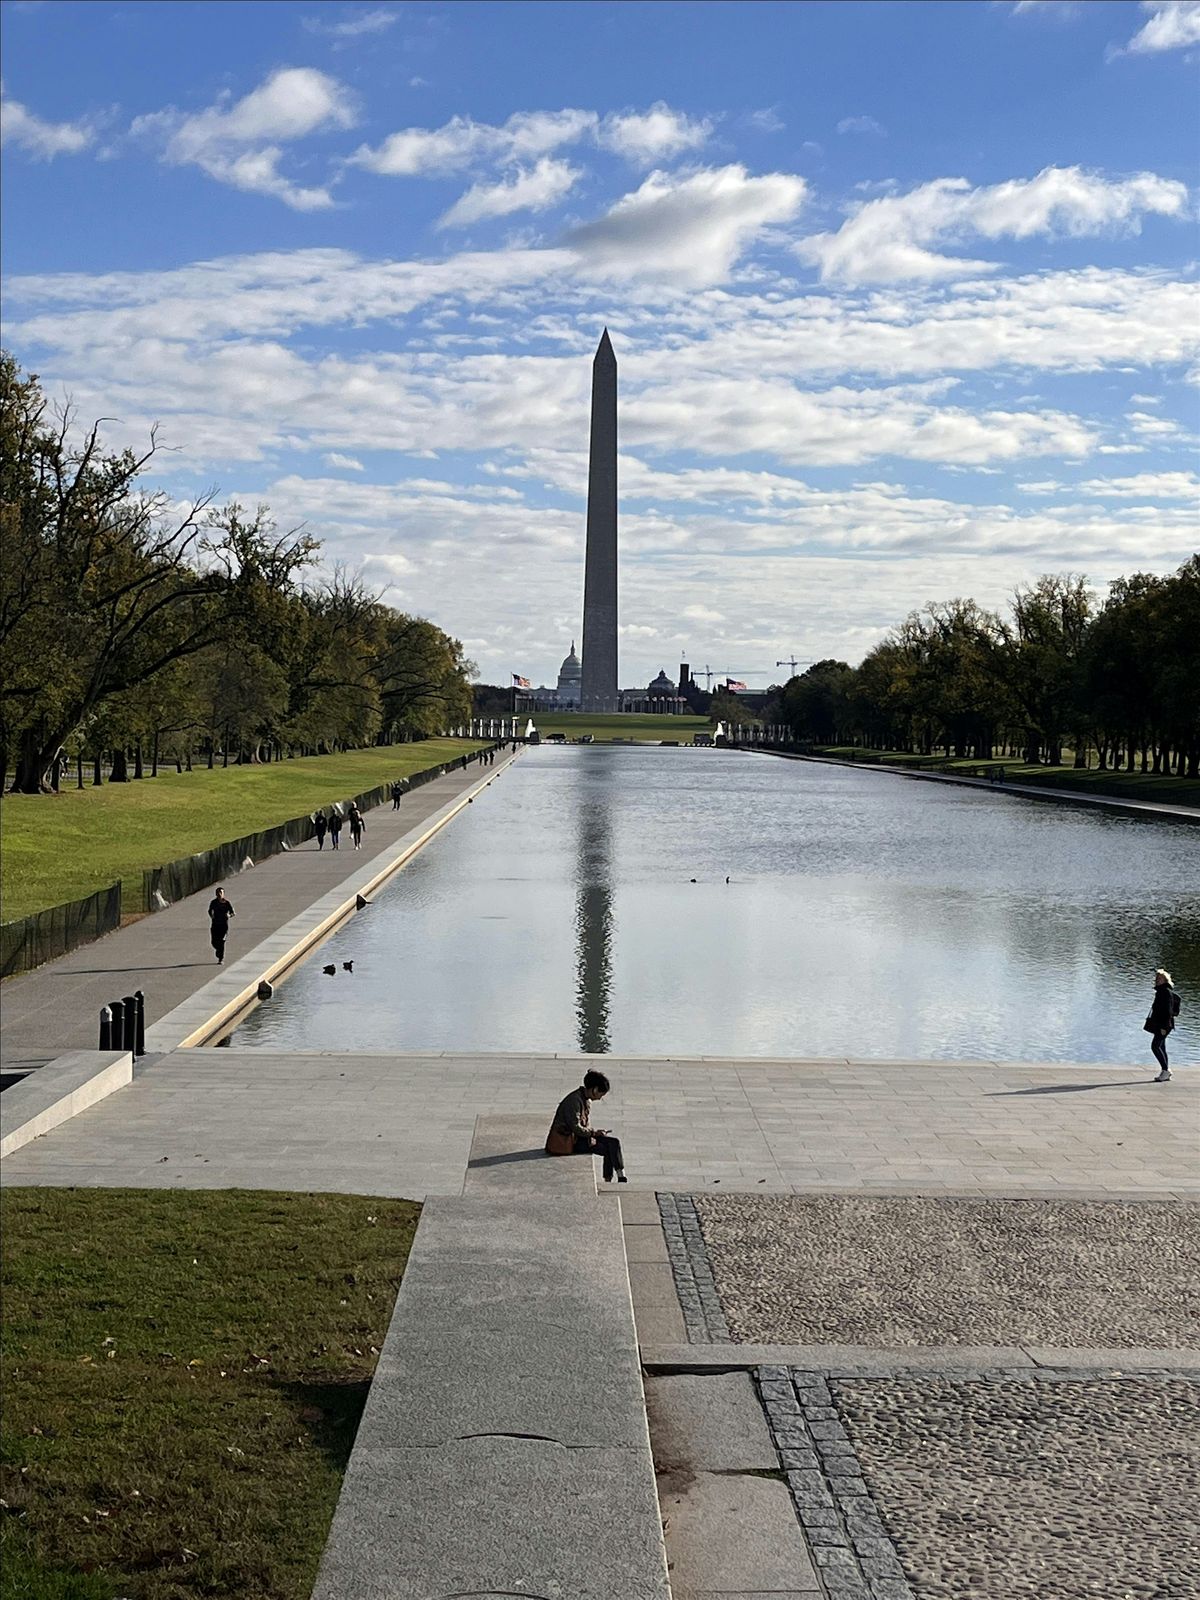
660	697
567	695
570	682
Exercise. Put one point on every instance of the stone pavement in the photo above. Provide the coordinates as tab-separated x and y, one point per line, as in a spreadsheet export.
504	1448
167	954
402	1125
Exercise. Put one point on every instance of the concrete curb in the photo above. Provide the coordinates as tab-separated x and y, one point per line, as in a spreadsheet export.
206	1012
885	1360
1025	791
59	1091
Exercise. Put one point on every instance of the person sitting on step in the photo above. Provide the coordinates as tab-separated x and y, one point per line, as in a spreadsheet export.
571	1132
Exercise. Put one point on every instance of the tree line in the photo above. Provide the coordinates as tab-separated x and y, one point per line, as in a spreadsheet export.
134	629
1117	681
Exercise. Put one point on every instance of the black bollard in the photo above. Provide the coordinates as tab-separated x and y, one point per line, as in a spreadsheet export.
130	1024
105	1028
139	1034
117	1007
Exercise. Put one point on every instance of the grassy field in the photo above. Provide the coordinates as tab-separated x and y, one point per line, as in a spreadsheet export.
55	848
1119	785
178	1415
629	726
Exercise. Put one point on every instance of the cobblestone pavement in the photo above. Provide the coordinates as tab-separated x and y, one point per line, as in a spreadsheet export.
900	1270
995	1485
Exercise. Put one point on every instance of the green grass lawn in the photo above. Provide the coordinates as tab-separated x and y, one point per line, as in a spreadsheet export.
184	1374
625	726
1118	785
55	848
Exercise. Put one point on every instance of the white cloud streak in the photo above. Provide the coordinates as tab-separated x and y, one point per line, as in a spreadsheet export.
43	140
461	142
646	137
1172	25
362	25
886	240
688	228
239	142
537	188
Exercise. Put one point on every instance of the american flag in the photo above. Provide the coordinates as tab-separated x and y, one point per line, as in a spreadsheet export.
734	683
521	683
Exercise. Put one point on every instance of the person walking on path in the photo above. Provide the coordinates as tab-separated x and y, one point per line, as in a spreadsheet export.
219	913
335	826
357	826
397	791
1161	1021
320	825
571	1132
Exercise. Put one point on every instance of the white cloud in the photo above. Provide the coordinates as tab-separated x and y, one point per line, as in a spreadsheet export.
690	228
358	26
44	140
659	134
459	143
239	142
1173	25
861	125
528	189
885	240
1138	486
346	463
766	120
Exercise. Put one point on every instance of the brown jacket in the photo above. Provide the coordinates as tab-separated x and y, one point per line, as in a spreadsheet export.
570	1123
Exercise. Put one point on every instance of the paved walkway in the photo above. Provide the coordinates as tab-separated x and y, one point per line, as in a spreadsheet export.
167	955
1033	791
402	1125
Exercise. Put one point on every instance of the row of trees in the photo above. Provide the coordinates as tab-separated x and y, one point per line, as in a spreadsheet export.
1117	682
134	629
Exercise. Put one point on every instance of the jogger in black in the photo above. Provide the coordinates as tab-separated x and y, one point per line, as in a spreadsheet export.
219	913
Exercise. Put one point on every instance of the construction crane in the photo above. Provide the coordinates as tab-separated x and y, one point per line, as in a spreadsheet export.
790	661
709	673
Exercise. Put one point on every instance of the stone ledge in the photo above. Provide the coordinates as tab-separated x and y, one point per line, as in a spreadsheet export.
59	1091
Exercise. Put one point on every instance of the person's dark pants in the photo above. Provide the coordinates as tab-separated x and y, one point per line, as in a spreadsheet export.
218	937
1159	1046
356	835
320	841
333	839
606	1145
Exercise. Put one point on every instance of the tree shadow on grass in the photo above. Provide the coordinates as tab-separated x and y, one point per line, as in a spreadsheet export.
331	1410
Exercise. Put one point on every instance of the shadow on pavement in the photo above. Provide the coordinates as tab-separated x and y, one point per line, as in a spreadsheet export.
1067	1088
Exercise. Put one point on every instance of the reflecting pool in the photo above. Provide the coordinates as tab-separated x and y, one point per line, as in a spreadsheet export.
648	901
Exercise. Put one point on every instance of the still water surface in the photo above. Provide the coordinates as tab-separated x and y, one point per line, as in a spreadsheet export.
582	904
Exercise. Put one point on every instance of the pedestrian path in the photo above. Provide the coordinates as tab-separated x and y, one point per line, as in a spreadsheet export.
167	954
403	1124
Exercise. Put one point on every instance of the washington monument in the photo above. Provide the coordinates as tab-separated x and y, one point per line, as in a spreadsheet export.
599	689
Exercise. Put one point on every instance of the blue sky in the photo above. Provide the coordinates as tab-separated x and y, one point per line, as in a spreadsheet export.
903	295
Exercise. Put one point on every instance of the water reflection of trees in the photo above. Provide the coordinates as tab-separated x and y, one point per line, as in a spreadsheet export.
594	913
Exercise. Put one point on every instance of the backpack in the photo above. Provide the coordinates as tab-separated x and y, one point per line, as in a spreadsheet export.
1176	1002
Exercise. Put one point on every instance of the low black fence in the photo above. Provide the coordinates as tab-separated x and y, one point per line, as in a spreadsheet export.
163	886
29	941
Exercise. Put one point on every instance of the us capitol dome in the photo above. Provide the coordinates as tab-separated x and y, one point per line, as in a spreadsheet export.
570	680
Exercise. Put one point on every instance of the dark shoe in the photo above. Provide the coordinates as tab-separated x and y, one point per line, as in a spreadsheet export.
622	1178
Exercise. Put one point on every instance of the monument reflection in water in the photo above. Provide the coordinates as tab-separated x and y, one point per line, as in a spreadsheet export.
594	918
691	902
